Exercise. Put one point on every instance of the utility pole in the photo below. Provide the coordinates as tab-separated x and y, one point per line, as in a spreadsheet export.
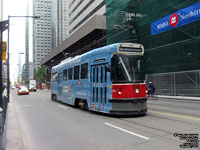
3	27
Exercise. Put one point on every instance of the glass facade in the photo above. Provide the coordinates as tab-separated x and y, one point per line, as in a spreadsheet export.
171	51
172	57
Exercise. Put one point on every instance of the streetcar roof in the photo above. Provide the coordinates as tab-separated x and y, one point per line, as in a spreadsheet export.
113	48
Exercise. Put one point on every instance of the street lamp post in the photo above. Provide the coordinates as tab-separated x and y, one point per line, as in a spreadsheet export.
8	65
3	27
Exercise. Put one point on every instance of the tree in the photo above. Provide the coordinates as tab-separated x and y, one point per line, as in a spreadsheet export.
40	74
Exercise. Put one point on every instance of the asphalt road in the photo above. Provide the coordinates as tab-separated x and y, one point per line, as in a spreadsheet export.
48	125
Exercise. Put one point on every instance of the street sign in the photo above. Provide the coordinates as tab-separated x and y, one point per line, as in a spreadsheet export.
4	51
3	56
4	46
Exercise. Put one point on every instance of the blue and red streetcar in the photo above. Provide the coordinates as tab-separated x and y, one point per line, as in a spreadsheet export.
109	79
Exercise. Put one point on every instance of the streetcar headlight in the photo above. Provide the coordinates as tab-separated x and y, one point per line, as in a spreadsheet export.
137	90
119	91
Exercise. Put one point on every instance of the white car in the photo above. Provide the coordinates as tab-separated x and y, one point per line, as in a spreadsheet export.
32	88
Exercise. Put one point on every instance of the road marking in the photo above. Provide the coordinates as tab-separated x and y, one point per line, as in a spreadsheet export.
26	105
179	116
62	106
43	99
146	138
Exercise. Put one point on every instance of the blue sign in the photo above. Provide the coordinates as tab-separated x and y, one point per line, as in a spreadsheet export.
179	18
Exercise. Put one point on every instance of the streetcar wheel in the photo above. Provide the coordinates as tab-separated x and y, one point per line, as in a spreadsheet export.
53	97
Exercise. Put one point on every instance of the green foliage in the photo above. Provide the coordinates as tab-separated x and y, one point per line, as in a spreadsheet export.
40	74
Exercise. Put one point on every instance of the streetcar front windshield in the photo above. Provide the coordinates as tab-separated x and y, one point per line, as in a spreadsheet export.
125	68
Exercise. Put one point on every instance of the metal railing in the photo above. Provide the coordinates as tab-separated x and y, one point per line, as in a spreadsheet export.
186	83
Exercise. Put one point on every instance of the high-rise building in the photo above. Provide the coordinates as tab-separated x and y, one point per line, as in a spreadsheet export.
26	65
87	24
42	32
60	21
81	11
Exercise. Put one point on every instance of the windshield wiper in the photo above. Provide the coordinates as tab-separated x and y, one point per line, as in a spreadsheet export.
126	71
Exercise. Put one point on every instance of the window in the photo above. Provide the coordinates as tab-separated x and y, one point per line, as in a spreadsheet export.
93	74
84	71
54	76
97	75
127	69
76	72
70	74
65	75
101	74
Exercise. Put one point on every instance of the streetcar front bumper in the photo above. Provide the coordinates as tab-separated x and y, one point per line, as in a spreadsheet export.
136	106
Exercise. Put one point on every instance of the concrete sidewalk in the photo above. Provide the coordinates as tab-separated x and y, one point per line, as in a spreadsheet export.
180	97
13	133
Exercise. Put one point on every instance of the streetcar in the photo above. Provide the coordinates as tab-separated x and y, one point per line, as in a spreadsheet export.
108	79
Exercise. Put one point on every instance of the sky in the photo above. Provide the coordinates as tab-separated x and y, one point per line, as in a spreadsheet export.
17	33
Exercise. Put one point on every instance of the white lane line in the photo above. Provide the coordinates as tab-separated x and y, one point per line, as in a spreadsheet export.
26	105
43	99
62	106
146	138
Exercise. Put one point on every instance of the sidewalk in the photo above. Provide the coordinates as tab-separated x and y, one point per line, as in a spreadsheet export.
180	97
13	137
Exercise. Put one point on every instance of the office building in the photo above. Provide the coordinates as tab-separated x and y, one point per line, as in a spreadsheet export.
60	21
81	11
171	54
42	33
87	24
26	65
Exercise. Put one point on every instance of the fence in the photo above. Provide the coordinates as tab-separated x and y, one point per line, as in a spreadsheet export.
185	83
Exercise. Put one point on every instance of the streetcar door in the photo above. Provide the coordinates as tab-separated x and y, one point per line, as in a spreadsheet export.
99	87
95	87
60	78
103	87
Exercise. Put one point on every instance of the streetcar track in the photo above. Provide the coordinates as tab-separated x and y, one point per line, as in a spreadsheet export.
172	106
140	124
166	133
173	119
150	127
176	100
181	113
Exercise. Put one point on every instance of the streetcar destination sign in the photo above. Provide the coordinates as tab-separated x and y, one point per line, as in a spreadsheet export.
176	19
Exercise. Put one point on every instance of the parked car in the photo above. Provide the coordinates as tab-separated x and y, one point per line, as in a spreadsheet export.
23	90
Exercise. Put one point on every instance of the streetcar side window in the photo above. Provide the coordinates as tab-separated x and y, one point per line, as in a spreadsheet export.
65	75
101	74
76	72
70	73
54	76
84	71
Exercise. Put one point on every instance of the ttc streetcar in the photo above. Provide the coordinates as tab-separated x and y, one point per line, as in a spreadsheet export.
109	79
